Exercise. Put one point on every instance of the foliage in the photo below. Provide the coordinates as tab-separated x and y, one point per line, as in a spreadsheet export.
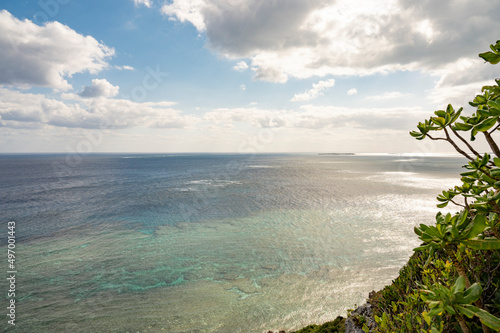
492	57
336	326
433	292
456	301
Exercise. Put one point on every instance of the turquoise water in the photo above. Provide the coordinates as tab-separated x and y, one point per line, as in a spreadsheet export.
210	243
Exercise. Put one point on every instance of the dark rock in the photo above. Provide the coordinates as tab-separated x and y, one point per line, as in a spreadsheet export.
358	318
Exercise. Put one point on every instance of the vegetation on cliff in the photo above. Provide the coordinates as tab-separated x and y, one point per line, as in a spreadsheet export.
452	282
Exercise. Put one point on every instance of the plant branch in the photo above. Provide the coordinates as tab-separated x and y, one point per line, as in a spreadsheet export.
496	127
465	141
432	138
495	206
492	144
458	266
463	324
457	204
457	148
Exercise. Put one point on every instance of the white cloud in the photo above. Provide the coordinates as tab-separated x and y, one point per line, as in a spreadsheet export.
99	88
125	68
28	110
320	117
186	11
306	128
425	28
243	87
317	90
241	66
387	95
146	3
300	39
44	56
352	91
460	80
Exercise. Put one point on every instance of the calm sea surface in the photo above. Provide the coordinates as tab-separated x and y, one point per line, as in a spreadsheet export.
208	243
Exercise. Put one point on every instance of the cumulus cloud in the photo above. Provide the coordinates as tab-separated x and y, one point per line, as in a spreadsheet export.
241	66
317	90
186	11
27	109
352	91
460	80
99	88
300	39
146	3
44	56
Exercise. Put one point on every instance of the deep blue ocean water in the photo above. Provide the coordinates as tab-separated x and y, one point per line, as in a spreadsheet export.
209	242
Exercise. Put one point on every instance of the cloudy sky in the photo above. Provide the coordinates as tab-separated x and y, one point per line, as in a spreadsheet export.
236	75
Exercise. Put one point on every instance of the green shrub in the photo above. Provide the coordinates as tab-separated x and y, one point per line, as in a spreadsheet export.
433	292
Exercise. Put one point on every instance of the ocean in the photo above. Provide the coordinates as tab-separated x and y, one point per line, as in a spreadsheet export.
207	242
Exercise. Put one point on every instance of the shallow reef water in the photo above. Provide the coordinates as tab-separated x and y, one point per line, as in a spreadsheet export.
171	243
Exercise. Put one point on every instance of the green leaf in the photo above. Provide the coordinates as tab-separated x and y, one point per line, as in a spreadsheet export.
462	127
472	294
450	309
488	179
456	115
495	47
422	248
459	285
480	99
469	173
469	180
494	111
439	121
466	309
486	124
486	318
416	134
426	317
432	231
483	113
441	113
478	226
473	134
454	232
437	311
484	160
494	104
483	244
490	57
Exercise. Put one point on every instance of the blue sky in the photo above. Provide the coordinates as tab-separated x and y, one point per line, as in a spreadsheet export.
236	75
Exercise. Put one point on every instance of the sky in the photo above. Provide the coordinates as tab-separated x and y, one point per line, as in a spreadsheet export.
240	76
